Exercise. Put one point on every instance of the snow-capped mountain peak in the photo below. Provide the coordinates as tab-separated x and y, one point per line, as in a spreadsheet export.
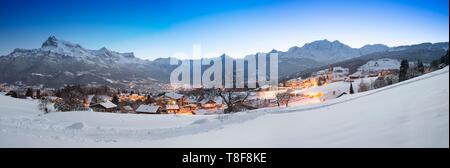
52	42
104	52
103	49
54	45
62	47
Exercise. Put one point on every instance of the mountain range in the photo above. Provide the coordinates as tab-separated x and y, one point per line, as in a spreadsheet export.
59	62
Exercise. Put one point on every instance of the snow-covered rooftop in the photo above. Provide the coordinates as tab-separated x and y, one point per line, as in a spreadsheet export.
147	109
217	100
174	95
129	108
108	105
190	100
172	107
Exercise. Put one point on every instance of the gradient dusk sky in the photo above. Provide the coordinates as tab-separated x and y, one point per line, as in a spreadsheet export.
153	29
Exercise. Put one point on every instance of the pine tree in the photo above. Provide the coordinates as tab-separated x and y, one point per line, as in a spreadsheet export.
444	59
403	74
420	67
29	93
38	93
351	89
435	63
58	93
115	99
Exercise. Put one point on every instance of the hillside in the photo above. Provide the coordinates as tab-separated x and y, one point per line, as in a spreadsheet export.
426	52
377	118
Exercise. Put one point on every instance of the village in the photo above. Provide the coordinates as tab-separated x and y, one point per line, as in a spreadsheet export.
320	86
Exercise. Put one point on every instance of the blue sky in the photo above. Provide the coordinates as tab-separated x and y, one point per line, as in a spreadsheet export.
155	29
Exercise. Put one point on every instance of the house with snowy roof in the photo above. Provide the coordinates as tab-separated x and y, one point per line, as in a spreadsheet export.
211	103
104	107
174	95
339	74
175	98
148	109
172	108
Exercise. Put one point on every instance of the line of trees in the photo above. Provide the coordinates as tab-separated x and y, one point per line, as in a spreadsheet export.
233	98
72	98
406	72
440	63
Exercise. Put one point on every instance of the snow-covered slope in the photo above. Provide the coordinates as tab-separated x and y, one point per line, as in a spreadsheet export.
412	113
336	87
380	64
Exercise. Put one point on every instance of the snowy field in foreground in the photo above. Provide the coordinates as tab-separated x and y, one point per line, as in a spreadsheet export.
413	113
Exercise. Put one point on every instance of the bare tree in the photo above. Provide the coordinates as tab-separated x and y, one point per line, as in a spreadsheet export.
379	83
283	98
233	98
43	104
363	87
29	93
197	93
